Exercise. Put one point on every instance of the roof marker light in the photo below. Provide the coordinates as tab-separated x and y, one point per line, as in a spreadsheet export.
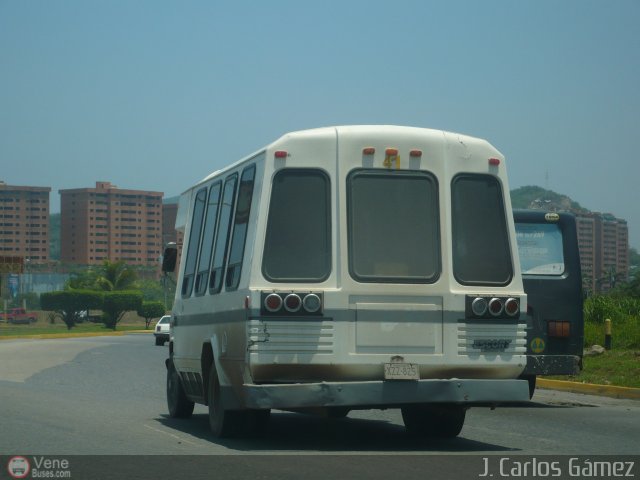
494	162
281	154
391	151
415	153
368	151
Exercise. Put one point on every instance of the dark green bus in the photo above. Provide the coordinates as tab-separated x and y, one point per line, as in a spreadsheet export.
550	264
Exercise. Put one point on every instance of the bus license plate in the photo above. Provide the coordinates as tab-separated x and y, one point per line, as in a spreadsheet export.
401	371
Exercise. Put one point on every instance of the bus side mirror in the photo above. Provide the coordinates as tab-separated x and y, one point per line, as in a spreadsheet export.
169	258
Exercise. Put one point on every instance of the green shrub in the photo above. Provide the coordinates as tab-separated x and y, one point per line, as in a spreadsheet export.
69	304
117	303
151	310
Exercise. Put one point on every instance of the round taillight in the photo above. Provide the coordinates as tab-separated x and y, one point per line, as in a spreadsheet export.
292	302
273	302
311	303
479	306
512	307
495	307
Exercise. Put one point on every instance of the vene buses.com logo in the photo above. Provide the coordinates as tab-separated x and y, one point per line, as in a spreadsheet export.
18	467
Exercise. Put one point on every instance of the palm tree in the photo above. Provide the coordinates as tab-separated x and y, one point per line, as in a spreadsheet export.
115	276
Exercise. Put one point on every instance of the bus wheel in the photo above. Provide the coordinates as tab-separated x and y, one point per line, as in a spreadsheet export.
437	421
179	405
223	423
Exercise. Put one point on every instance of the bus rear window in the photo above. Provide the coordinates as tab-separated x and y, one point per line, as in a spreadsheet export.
540	248
297	246
393	227
481	250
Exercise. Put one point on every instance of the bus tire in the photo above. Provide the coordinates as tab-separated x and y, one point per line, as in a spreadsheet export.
222	422
179	405
434	421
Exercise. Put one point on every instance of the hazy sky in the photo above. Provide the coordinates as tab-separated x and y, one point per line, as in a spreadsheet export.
155	95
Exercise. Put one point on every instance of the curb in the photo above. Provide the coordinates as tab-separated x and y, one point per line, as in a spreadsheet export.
590	389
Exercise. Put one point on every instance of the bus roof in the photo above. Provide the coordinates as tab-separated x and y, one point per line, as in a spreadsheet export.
357	131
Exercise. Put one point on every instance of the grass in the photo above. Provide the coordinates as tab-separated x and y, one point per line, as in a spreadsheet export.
624	313
614	367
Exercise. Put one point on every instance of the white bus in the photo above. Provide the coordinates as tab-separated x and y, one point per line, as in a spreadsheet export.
349	268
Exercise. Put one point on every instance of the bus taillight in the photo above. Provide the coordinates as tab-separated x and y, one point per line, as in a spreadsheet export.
288	304
561	329
273	302
512	307
479	307
312	303
495	306
292	303
488	306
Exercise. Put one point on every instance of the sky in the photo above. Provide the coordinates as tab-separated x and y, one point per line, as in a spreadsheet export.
155	95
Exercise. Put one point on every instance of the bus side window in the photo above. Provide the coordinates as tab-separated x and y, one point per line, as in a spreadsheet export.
194	240
240	227
210	222
222	236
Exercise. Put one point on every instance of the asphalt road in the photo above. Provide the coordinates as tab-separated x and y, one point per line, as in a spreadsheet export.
105	396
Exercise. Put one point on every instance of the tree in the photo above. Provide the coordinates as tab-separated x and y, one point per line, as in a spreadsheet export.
84	279
634	257
70	303
151	310
115	276
116	304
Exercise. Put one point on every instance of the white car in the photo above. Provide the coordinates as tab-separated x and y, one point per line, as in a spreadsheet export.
161	331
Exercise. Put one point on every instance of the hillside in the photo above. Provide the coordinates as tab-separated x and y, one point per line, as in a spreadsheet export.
538	197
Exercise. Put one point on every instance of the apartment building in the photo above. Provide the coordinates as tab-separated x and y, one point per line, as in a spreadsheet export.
108	223
24	223
604	250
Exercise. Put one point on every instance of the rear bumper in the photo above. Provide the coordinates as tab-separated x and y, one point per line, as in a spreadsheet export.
385	393
553	365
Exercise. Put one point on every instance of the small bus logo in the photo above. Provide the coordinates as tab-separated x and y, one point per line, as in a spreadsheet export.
18	467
